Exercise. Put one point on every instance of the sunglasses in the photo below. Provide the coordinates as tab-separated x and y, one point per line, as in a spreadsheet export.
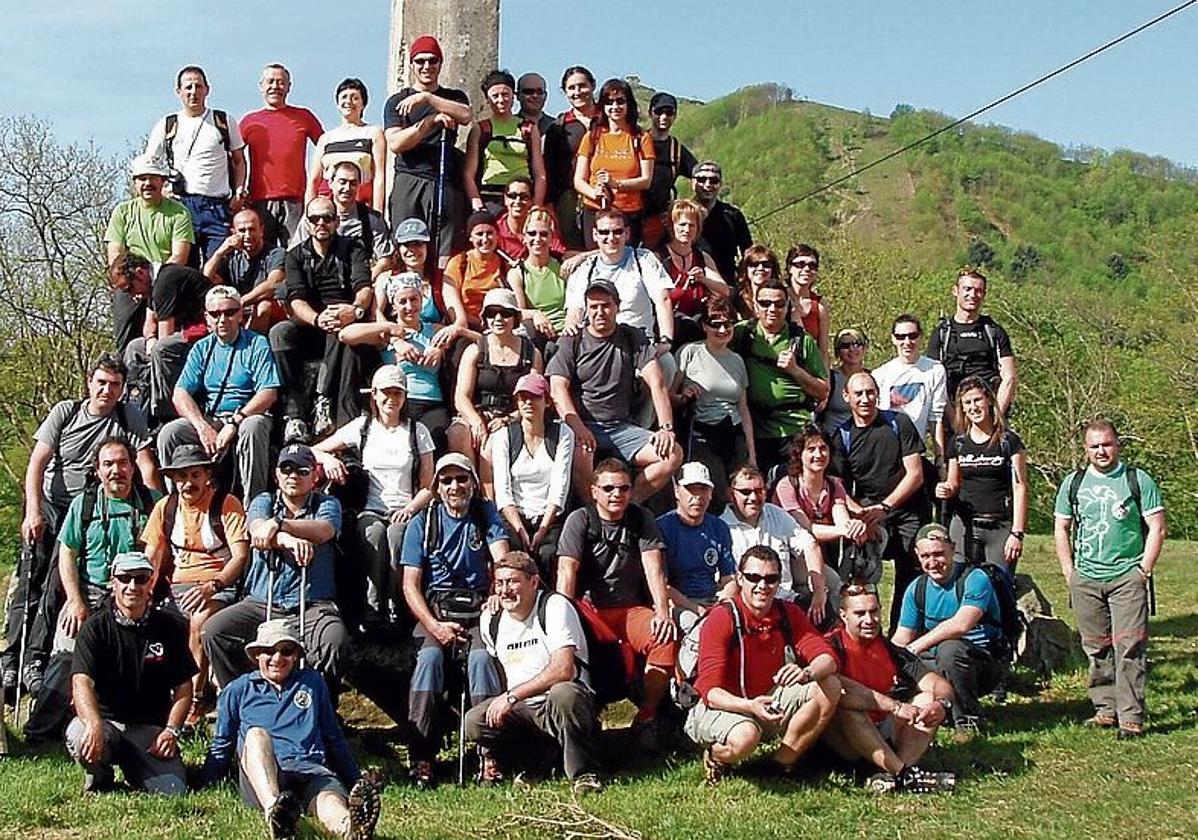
609	231
720	326
130	578
426	62
319	218
812	264
759	264
707	179
858	589
217	314
768	580
664	112
615	488
771	303
518	196
292	469
845	345
749	491
908	336
447	480
536	234
532	91
290	651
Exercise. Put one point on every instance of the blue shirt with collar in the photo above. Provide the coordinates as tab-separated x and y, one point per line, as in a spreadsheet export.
250	365
321	586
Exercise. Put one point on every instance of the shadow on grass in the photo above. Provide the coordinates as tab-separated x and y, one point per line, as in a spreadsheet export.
1178	626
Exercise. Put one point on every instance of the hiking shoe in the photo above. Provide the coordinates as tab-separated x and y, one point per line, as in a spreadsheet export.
364	806
94	783
647	735
283	815
881	783
586	784
713	769
523	781
1101	721
489	771
322	416
295	430
9	681
1130	731
967	728
914	779
422	775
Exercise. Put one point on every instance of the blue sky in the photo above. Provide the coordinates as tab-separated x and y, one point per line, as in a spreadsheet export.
105	70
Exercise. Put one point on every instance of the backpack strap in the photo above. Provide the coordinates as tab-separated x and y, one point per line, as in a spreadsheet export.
367	229
494	628
944	330
921	601
87	514
1075	484
1133	487
221	120
515	442
216	509
170	131
72	413
413	442
990	331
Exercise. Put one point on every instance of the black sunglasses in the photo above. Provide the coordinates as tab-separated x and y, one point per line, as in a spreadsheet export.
769	580
292	469
128	577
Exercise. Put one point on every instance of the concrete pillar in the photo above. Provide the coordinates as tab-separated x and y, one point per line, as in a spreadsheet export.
468	31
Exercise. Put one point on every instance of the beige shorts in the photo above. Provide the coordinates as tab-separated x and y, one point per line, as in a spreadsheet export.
707	726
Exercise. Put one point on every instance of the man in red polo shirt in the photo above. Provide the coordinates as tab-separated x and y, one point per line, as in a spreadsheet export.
892	704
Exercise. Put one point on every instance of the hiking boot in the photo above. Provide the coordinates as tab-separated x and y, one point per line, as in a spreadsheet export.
967	728
364	806
283	815
586	784
713	769
33	679
422	775
647	735
914	779
1130	731
881	783
295	430
9	681
95	783
322	416
1100	721
523	781
489	771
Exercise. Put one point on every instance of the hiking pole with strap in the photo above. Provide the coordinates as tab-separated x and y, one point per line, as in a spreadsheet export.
272	566
26	560
439	201
303	609
462	712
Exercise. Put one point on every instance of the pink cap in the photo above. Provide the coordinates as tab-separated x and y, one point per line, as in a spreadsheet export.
532	383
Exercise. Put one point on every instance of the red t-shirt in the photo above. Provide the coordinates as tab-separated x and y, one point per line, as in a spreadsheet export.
278	145
868	663
764	647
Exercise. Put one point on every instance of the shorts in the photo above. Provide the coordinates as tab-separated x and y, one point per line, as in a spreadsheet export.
707	726
625	439
225	597
634	625
307	785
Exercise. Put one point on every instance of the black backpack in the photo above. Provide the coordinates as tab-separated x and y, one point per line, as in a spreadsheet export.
542	608
515	440
944	333
353	492
1010	623
171	129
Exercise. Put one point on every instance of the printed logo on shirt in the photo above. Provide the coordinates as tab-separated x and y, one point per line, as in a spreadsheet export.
476	540
155	652
711	557
976	461
901	395
303	699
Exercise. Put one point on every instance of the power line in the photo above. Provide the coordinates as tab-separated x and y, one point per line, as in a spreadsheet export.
1063	68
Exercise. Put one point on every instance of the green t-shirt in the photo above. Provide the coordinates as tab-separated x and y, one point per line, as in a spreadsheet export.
148	231
780	405
114	527
1108	542
506	156
546	291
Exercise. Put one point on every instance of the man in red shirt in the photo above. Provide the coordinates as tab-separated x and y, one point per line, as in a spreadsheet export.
892	704
277	140
764	671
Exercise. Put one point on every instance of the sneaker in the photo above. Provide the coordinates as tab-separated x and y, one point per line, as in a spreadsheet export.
713	769
295	430
94	783
881	783
489	771
422	775
364	807
33	679
647	735
1101	721
586	784
283	816
914	779
1130	731
967	728
523	781
322	416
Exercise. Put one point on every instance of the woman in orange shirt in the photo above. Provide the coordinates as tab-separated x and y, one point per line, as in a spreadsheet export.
615	161
478	270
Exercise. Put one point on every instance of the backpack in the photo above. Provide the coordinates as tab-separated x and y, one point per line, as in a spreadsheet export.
171	129
515	439
356	487
845	430
944	332
171	511
141	502
626	338
486	137
1010	623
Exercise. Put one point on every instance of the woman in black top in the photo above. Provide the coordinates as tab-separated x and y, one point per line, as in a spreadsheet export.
987	476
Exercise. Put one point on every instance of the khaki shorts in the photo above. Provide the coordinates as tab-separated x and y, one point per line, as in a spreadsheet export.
707	726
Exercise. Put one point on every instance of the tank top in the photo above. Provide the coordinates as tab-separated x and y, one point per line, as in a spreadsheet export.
494	383
811	319
686	299
506	153
349	144
546	291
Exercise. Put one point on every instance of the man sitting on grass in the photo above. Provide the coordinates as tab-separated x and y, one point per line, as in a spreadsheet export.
750	679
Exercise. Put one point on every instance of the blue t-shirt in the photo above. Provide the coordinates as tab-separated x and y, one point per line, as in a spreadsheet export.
253	369
941	605
287	578
461	559
423	383
697	556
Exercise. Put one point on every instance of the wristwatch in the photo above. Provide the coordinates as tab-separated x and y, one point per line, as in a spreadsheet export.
667	427
512	699
359	313
174	730
1018	535
885	507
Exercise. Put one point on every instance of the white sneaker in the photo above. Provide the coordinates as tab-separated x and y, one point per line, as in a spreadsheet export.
295	430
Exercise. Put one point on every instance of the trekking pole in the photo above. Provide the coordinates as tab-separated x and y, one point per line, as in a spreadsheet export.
1151	597
26	560
303	609
462	714
439	201
272	564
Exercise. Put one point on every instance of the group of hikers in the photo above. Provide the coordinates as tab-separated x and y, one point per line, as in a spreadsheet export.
584	440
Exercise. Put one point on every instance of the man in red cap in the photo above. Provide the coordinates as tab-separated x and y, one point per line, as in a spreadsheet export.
416	120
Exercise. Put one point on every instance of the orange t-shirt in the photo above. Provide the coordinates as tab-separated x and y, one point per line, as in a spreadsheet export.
475	274
621	155
198	553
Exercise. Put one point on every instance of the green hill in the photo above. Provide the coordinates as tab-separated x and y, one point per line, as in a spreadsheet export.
1091	257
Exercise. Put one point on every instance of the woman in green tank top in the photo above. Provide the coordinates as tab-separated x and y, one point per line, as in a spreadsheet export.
537	281
500	148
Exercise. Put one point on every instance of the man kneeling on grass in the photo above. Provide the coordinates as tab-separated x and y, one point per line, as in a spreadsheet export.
763	671
538	639
892	703
291	754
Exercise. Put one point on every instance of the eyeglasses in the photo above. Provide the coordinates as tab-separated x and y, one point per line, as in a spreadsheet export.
426	62
907	336
707	179
845	345
658	112
857	588
536	234
615	488
812	264
318	218
293	469
130	578
749	491
458	478
768	580
217	314
619	100
759	264
771	303
532	91
609	231
518	196
720	326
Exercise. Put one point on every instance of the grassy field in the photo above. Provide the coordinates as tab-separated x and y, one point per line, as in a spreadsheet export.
1036	774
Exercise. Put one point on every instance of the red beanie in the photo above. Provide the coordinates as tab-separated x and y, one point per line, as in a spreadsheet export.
426	44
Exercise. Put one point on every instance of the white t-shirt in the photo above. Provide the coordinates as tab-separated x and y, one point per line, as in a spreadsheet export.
917	390
638	289
387	460
534	481
199	153
524	649
778	530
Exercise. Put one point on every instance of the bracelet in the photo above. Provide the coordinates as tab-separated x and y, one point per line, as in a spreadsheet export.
1018	535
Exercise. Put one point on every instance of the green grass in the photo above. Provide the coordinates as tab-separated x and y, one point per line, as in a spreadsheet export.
1037	774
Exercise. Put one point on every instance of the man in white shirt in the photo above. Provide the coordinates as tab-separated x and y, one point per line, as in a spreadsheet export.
206	155
912	383
538	639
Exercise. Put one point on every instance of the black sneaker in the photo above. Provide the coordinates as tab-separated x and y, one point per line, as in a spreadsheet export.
94	783
422	775
283	816
364	807
914	779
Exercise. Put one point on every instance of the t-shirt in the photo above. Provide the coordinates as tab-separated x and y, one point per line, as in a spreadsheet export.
474	274
791	496
781	406
278	140
349	225
546	291
198	152
244	272
610	567
726	235
941	604
460	559
1108	542
321	586
721	375
423	382
387	460
873	463
197	551
638	277
350	144
512	243
697	556
916	390
75	438
602	371
621	155
135	666
986	477
421	160
179	293
224	376
967	352
775	529
149	231
114	528
661	189
877	665
506	154
524	648
330	279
